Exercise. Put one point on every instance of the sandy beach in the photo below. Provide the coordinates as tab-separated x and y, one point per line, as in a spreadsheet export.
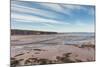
51	49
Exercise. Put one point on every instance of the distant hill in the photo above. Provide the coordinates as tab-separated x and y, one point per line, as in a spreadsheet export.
29	32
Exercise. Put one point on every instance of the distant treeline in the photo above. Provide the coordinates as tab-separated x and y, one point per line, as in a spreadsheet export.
29	32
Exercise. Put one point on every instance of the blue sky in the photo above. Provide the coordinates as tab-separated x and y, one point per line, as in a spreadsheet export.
52	17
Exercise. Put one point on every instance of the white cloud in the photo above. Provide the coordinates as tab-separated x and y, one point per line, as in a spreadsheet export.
29	18
26	18
56	7
73	7
25	9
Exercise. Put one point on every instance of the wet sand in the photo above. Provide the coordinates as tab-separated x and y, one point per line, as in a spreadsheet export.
51	49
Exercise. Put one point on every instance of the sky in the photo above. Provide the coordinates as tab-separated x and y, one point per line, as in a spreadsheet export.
28	15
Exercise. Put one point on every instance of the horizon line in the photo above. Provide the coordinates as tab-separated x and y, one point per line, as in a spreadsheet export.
55	31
